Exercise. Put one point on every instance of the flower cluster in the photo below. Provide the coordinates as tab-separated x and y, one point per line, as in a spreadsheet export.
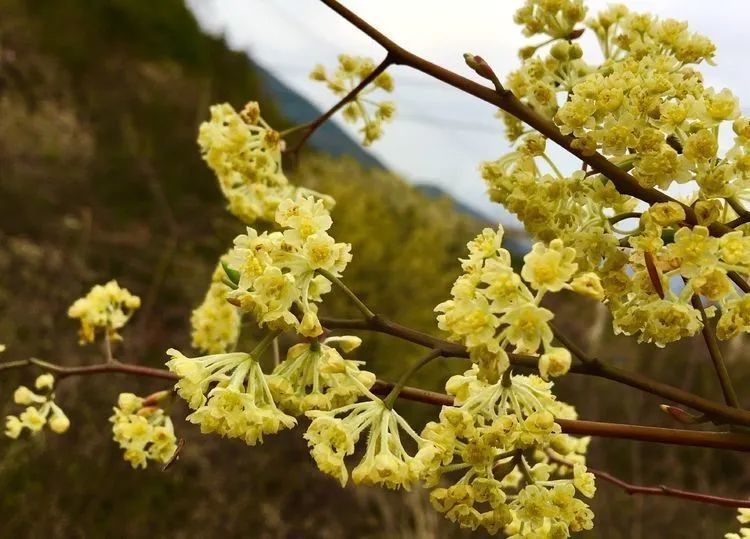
106	307
216	322
229	394
504	438
245	154
575	209
143	430
492	308
41	409
653	299
385	462
646	109
743	517
555	18
351	70
278	274
314	376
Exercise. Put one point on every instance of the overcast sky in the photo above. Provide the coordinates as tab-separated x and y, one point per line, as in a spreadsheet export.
440	135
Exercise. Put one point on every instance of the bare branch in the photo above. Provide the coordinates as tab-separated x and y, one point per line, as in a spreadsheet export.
717	440
716	356
718	412
660	490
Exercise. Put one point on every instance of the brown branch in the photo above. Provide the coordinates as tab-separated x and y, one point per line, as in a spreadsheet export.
741	220
739	209
739	281
102	368
660	490
725	381
716	440
314	125
718	412
625	183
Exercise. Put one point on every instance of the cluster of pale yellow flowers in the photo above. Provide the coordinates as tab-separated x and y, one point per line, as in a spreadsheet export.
229	394
245	154
574	209
315	376
556	18
493	309
641	288
105	308
743	517
279	277
41	409
333	435
502	439
143	430
349	73
646	109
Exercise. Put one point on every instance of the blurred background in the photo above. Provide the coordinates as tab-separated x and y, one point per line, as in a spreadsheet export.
100	178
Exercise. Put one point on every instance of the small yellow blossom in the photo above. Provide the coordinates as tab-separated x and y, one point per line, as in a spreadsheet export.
549	267
106	307
316	377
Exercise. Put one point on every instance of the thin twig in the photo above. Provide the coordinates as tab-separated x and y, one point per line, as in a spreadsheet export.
576	350
739	209
108	348
398	386
313	126
364	309
103	368
725	381
660	490
717	440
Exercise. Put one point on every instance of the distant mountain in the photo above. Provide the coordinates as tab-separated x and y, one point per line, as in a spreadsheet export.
515	240
433	191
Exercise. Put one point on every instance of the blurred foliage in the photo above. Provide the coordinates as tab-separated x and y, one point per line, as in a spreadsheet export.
100	178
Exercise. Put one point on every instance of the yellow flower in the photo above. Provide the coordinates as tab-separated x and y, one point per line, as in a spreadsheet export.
527	327
385	462
549	268
584	481
667	213
41	410
554	362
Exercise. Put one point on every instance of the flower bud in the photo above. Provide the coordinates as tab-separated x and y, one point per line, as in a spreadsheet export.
44	381
59	422
24	396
